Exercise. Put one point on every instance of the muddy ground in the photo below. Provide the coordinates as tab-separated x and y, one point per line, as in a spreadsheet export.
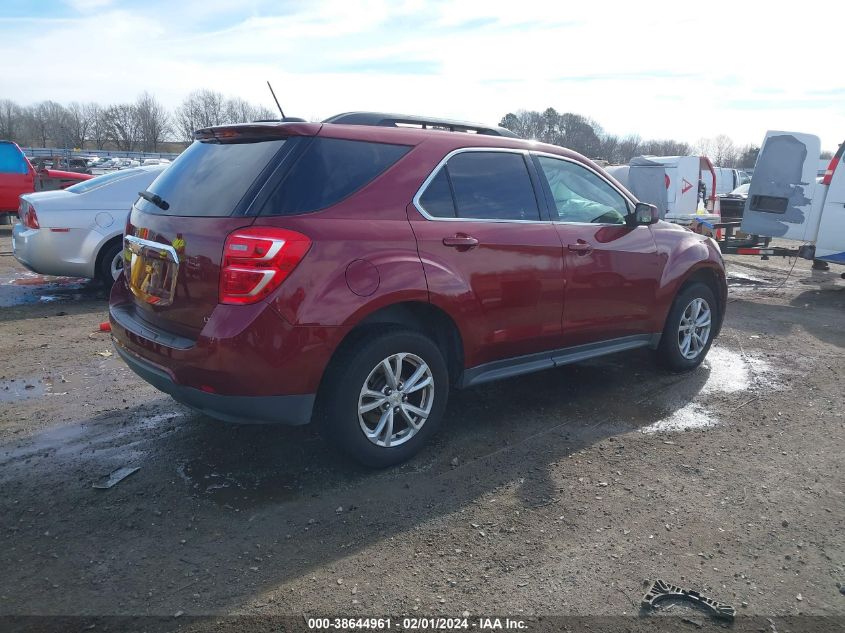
562	493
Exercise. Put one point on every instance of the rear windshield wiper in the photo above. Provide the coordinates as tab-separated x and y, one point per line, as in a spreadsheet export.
156	199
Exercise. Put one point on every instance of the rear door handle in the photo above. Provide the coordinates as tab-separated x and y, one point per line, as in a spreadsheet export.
460	241
580	247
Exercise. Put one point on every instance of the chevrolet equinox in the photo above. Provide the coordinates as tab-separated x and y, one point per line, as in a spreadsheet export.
353	272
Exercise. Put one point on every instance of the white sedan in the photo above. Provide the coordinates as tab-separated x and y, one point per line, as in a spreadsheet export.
78	231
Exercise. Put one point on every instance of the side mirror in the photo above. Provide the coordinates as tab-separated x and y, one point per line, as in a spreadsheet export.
643	215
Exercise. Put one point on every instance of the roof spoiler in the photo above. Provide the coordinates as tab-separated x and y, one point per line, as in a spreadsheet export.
257	131
403	120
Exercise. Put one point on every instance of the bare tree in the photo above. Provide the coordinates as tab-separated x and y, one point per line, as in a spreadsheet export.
200	109
610	148
153	121
78	124
705	147
725	152
11	121
240	111
629	147
98	125
123	126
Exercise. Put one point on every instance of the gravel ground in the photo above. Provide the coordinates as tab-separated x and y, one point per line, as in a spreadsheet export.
564	493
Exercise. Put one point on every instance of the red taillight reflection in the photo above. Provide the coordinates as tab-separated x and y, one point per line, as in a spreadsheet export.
256	260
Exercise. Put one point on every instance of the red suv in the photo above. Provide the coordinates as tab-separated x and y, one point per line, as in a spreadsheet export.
354	271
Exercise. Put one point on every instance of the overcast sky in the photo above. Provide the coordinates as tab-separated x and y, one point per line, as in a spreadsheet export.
683	70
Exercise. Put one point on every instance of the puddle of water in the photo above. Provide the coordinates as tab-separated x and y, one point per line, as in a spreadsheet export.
247	488
97	441
22	389
25	287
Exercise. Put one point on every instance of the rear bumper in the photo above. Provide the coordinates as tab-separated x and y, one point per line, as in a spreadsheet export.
292	410
246	365
49	253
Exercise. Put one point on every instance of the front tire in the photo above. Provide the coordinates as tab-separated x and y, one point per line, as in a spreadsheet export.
689	330
384	397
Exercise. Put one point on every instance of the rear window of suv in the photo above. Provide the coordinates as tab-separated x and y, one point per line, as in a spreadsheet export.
211	179
328	171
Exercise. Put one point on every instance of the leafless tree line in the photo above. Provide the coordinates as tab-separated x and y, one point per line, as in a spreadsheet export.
587	137
142	125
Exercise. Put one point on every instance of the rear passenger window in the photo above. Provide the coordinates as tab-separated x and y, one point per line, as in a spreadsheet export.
328	171
437	199
482	186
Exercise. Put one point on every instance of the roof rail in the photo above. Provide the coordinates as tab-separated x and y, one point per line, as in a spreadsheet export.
401	120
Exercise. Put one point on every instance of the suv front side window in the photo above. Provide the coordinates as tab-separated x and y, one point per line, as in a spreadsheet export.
482	186
581	196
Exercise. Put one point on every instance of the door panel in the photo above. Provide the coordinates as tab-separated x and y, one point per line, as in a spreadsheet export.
487	255
507	289
611	270
611	281
780	197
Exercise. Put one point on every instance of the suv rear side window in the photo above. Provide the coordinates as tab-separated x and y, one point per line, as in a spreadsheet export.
210	179
483	186
328	171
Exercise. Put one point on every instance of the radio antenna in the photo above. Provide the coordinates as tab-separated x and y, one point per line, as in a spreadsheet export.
276	100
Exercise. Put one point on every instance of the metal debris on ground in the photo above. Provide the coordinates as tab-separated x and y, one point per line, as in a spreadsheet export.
115	477
661	590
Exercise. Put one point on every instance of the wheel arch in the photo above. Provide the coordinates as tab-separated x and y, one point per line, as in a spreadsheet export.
418	316
713	278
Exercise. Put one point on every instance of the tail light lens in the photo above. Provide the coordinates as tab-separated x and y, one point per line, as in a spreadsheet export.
256	260
27	215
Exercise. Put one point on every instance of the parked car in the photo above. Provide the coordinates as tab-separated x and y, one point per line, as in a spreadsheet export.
732	204
78	231
354	272
127	163
18	176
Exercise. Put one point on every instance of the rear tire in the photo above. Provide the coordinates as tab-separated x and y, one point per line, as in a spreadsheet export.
111	260
379	416
690	328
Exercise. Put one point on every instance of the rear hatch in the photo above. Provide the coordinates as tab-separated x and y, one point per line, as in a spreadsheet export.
780	198
176	232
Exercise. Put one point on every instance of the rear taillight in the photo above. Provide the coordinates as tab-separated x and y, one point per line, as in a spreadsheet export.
256	260
27	215
834	163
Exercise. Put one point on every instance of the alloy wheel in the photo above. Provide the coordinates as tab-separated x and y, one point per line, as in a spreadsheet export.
694	328
396	399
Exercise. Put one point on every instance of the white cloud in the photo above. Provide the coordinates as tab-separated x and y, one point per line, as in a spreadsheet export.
88	5
661	69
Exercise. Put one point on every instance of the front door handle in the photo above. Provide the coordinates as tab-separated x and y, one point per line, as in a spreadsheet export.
460	241
581	247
